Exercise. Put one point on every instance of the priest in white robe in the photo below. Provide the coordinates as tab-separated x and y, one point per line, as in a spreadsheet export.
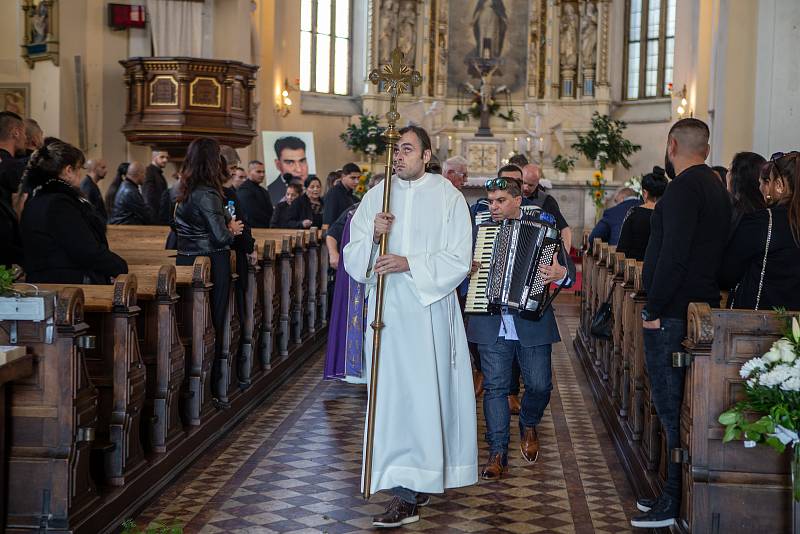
425	422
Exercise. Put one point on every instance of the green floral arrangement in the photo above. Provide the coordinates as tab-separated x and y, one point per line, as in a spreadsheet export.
461	116
475	107
6	280
365	137
510	115
604	143
772	389
564	163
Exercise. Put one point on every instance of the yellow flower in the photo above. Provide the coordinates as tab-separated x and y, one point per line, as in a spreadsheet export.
598	194
596	182
598	175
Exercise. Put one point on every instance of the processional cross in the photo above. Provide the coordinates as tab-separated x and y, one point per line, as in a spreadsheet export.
396	78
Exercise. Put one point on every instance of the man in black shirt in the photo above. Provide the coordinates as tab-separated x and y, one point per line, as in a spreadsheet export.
680	266
12	141
340	197
254	200
155	184
95	171
538	196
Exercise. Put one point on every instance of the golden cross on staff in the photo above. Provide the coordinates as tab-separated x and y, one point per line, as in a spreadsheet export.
397	78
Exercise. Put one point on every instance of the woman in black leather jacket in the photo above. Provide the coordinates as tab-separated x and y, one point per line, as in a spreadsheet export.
63	236
204	228
306	211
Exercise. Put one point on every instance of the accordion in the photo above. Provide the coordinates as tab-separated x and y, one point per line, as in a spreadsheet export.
510	254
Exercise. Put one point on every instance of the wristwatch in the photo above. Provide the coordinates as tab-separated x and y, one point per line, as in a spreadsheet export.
647	316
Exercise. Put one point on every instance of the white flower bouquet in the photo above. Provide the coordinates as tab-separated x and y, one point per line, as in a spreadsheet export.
772	389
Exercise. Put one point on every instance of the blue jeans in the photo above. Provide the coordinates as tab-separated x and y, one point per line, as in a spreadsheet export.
405	494
666	390
496	363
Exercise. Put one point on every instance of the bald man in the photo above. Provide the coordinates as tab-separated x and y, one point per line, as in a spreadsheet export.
95	171
538	196
129	204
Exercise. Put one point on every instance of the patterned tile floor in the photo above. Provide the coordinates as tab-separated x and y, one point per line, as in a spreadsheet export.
294	464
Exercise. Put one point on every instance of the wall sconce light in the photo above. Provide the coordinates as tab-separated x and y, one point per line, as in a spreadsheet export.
284	105
683	106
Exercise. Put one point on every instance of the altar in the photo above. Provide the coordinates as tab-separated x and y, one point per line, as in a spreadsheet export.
504	77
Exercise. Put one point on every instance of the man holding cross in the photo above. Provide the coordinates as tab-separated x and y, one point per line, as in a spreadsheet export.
425	422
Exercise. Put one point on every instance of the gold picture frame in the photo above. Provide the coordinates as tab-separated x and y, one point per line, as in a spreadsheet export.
16	97
40	41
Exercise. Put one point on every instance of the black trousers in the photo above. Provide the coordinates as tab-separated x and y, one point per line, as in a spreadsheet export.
221	278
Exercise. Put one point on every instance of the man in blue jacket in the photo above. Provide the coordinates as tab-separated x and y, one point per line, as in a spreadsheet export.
610	226
501	337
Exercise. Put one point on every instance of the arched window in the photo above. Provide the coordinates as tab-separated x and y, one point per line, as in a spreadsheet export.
649	48
325	46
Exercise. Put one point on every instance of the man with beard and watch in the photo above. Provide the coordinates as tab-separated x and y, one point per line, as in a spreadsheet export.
683	256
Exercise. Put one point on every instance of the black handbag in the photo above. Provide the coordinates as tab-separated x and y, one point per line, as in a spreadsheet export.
601	324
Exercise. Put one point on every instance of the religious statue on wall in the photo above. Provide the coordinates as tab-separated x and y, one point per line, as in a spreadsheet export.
387	23
569	37
589	36
407	30
40	37
489	24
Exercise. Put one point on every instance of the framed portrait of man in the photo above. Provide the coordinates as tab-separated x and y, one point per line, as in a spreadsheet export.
40	40
15	97
288	152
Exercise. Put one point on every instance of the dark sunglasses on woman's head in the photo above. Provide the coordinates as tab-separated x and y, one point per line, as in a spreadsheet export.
493	184
778	155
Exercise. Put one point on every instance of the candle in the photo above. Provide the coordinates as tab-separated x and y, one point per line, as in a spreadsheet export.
528	144
437	143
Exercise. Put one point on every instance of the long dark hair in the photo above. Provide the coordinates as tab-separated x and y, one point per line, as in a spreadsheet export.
202	166
745	170
111	193
788	168
49	161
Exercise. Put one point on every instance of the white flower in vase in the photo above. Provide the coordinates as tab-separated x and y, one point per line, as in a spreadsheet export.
796	329
754	364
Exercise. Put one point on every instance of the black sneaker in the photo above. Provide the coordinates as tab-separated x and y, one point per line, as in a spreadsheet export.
663	514
645	505
423	500
397	514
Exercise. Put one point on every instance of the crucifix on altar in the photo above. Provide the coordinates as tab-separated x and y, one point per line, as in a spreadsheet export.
485	65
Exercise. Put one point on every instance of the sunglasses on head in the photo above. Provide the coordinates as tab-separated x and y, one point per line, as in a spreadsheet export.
778	155
499	183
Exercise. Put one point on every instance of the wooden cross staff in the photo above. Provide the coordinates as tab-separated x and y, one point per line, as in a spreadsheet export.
397	78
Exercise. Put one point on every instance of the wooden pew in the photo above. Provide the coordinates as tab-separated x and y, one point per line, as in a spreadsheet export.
717	478
162	351
155	293
196	329
141	244
52	421
116	369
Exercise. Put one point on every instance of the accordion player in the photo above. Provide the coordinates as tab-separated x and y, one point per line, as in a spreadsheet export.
510	254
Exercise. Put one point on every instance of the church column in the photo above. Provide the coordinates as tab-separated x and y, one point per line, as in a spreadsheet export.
602	85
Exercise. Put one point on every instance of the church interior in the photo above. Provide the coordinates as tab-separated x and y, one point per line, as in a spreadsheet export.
235	388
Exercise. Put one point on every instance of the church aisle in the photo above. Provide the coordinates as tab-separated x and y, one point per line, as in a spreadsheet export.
293	466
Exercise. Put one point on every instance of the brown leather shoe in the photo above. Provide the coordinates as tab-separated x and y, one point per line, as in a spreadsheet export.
513	405
397	514
477	381
495	467
529	446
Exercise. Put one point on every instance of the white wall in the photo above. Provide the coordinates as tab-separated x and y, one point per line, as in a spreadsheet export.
777	91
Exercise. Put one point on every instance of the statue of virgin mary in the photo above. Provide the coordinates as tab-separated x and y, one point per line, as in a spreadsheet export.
489	23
